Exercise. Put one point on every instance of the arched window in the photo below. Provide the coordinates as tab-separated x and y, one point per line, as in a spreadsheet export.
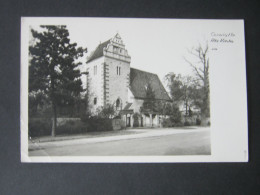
118	104
95	101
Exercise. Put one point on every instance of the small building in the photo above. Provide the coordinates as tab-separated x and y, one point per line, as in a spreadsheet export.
111	80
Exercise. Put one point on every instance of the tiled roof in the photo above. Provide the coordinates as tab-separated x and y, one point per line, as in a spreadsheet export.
98	51
139	80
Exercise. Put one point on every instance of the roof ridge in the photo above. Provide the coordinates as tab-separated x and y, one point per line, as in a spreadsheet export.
145	71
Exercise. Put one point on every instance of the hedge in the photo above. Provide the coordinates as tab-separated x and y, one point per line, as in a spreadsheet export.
168	122
42	126
39	127
72	127
96	124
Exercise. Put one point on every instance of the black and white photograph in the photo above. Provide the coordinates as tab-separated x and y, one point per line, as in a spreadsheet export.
133	90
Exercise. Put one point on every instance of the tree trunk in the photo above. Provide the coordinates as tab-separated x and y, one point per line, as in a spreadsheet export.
54	120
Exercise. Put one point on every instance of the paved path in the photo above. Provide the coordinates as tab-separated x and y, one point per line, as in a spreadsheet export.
141	142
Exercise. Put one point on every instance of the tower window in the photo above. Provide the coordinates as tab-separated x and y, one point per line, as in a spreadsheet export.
95	101
118	70
95	69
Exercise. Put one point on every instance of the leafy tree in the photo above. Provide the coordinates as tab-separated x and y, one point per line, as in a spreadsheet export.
108	111
200	66
37	99
53	66
174	119
174	84
182	90
175	114
149	102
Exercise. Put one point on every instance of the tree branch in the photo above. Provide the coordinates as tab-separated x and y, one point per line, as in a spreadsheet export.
195	68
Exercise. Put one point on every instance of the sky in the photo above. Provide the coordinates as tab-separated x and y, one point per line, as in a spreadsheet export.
155	45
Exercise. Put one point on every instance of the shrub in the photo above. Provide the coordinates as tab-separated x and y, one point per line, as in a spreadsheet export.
170	123
96	124
186	123
107	111
179	124
72	127
175	115
198	121
39	127
167	122
42	127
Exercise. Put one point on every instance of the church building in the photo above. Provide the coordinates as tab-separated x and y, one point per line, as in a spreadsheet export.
111	80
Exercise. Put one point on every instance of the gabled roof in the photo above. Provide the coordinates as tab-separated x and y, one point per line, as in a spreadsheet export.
98	51
139	80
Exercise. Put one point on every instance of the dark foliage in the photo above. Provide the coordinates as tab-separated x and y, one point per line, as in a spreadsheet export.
42	127
198	121
174	114
169	123
187	123
72	127
149	102
53	67
107	111
97	124
39	127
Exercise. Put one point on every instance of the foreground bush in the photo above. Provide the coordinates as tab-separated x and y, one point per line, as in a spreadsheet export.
198	121
96	124
42	127
72	127
168	122
187	123
39	127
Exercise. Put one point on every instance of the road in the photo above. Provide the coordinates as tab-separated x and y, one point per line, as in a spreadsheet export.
149	142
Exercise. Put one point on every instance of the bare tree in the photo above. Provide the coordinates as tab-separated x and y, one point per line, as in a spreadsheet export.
201	68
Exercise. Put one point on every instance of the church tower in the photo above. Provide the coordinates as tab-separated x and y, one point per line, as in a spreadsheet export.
108	70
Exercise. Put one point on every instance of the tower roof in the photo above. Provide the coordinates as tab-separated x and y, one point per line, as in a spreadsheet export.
139	80
98	52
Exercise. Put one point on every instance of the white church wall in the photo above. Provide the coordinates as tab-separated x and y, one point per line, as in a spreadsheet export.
95	83
83	77
118	84
130	96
